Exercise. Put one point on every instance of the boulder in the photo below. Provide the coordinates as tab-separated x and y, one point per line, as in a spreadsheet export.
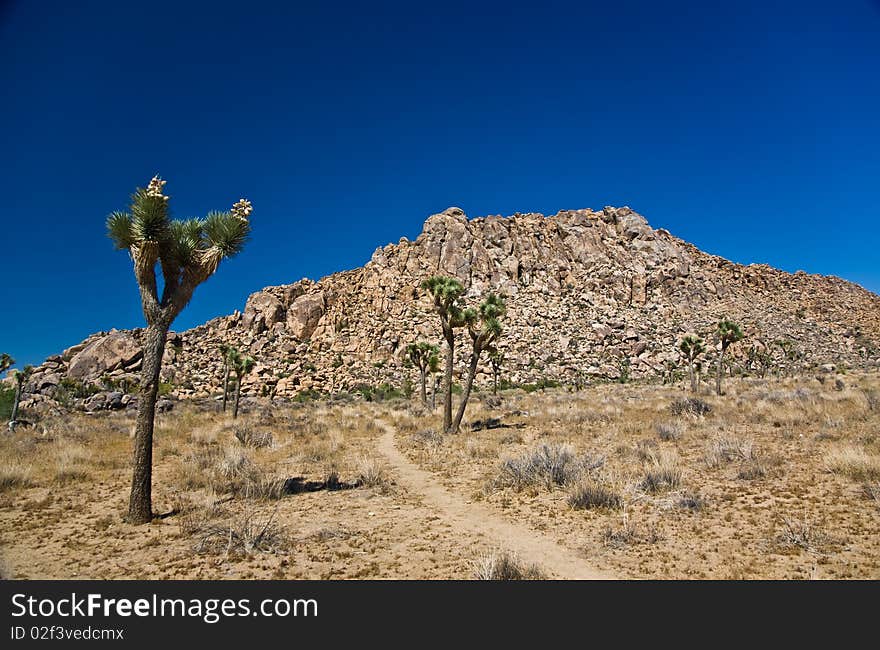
304	314
111	352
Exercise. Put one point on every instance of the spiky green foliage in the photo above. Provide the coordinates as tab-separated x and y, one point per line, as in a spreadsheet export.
423	356
447	293
242	365
496	359
6	362
728	333
484	327
692	346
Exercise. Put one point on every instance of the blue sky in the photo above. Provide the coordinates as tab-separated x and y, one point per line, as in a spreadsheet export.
751	129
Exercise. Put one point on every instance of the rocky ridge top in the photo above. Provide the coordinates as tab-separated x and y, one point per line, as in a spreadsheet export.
588	293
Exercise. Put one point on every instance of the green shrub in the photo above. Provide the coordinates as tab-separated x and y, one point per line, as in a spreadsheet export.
7	396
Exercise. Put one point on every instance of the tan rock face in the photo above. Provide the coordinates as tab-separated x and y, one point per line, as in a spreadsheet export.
587	293
112	352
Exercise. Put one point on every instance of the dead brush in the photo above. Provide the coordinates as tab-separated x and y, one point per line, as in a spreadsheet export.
691	500
629	535
70	462
427	438
371	472
692	406
872	491
800	533
853	462
594	494
726	449
662	473
668	430
248	437
548	464
14	474
503	565
244	536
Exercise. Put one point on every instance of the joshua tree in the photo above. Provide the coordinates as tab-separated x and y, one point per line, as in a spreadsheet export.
186	253
226	351
241	365
20	376
421	354
447	293
692	346
484	327
6	362
496	358
728	333
434	369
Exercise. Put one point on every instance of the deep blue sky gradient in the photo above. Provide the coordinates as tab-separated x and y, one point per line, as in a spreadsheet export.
751	129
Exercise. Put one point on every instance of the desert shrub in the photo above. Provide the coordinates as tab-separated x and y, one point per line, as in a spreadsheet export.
668	430
693	501
801	533
70	461
728	448
7	397
872	492
752	469
591	494
427	437
250	438
371	473
14	473
629	535
243	536
661	473
853	462
547	464
689	406
505	566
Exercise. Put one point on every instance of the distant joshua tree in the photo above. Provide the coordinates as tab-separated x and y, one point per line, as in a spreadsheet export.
692	346
6	362
728	333
186	253
241	364
226	352
20	377
421	354
447	293
496	358
484	327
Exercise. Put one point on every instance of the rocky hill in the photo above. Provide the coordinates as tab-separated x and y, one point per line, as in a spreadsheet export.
590	295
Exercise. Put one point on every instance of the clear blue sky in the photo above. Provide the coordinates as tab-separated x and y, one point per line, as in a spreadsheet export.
751	129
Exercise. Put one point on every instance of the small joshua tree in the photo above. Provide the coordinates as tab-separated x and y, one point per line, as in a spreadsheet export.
421	354
241	364
496	358
728	333
186	253
226	352
484	327
447	293
6	362
692	346
20	377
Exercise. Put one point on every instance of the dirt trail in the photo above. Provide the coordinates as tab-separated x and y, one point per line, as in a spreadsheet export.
531	546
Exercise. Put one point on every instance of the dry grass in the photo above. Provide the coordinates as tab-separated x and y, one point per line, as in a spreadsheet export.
14	473
853	462
548	465
592	493
727	448
503	565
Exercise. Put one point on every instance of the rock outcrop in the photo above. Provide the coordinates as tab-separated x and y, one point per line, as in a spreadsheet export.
588	293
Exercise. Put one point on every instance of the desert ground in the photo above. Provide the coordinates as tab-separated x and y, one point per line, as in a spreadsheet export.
777	479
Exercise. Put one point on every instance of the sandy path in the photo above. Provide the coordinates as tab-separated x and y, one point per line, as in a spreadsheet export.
531	546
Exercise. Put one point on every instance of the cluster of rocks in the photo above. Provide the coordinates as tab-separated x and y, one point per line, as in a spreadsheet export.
590	295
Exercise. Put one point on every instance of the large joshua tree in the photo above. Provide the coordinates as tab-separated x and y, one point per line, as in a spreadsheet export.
447	293
692	346
421	355
728	333
186	253
484	327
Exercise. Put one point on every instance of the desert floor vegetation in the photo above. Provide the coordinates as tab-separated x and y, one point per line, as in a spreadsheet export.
778	478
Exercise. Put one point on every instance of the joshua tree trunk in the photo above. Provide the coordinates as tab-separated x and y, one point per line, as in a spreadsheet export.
140	506
225	384
447	380
423	373
495	382
434	393
14	417
692	375
472	371
237	396
720	371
